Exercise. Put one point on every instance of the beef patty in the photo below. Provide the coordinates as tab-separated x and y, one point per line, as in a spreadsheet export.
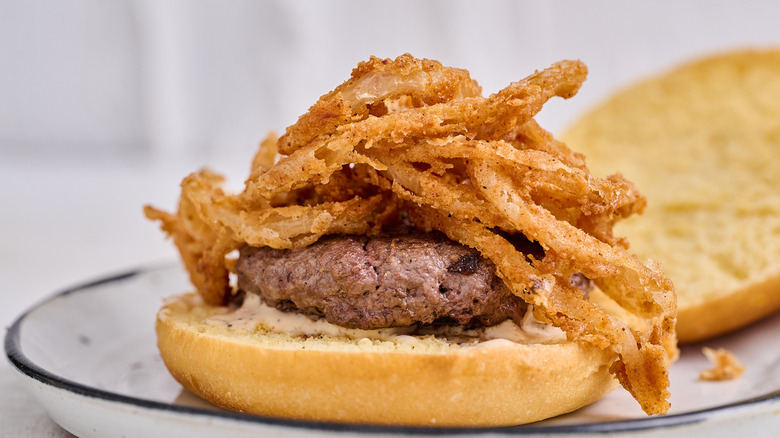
369	283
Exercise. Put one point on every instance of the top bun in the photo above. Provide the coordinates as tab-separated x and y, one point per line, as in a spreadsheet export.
702	141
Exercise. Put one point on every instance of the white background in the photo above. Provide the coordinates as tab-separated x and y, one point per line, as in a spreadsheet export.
106	105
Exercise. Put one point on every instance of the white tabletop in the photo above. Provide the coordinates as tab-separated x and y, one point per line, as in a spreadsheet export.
64	224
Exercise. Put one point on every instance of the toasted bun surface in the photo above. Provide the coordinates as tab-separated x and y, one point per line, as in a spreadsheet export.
702	142
428	382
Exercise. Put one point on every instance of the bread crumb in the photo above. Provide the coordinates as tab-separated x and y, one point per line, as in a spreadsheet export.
726	365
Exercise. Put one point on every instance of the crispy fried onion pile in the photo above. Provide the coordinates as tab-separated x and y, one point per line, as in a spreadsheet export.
411	140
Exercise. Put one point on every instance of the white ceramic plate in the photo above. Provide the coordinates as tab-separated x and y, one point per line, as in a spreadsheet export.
89	356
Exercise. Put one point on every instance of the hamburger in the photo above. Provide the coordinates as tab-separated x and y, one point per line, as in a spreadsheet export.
413	253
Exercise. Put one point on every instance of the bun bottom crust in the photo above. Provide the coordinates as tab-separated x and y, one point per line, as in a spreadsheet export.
347	381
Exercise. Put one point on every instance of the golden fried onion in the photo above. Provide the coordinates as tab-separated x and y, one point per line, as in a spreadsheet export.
408	139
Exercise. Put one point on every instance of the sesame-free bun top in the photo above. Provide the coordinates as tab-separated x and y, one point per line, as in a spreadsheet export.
337	379
703	142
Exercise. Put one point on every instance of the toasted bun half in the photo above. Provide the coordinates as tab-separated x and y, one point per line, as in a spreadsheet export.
426	382
702	142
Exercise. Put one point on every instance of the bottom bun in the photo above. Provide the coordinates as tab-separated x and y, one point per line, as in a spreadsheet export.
423	382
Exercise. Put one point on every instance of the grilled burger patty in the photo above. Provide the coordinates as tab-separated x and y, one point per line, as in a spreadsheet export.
369	283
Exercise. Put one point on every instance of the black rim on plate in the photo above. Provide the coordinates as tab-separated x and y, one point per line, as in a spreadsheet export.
19	360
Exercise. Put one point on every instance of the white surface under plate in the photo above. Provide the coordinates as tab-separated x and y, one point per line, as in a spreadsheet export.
89	356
